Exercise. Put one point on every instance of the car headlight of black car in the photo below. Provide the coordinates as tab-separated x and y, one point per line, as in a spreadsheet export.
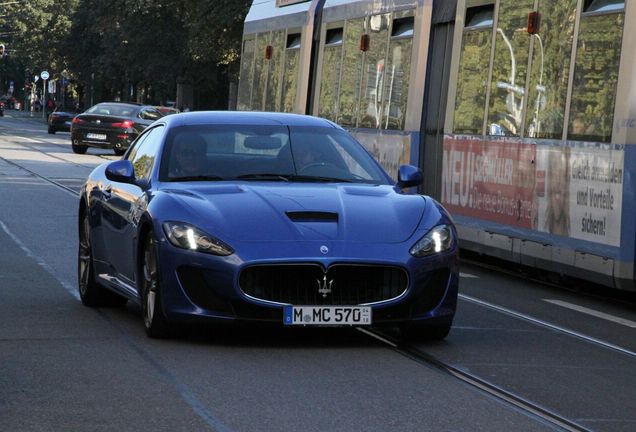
186	236
438	239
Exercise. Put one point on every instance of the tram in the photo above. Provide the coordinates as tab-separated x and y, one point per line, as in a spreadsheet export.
521	113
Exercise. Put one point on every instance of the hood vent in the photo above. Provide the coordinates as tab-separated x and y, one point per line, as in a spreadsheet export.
312	216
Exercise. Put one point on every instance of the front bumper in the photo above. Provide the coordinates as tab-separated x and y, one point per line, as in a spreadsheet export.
199	287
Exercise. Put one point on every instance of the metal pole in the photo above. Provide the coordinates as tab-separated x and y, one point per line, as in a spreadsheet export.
43	99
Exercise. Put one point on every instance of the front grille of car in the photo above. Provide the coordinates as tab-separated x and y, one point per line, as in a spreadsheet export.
309	284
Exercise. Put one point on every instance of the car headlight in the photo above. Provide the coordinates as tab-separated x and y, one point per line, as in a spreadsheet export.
437	240
186	236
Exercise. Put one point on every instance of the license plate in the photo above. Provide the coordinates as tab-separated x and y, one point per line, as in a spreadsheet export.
327	315
96	136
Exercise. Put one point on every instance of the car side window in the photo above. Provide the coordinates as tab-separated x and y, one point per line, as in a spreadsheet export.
146	153
133	150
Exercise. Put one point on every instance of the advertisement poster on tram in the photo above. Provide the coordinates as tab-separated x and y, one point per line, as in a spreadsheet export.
562	190
492	180
581	195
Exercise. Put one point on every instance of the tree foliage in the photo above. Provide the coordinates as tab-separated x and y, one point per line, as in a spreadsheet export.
128	49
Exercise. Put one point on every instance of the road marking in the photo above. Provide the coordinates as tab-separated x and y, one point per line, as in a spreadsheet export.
68	286
468	275
546	324
593	312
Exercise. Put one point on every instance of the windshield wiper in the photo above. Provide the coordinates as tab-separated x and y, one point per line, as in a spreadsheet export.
197	178
305	178
264	176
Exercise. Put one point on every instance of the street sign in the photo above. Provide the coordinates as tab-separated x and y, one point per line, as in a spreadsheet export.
44	75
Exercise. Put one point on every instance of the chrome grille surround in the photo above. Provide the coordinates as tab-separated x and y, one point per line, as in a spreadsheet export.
301	283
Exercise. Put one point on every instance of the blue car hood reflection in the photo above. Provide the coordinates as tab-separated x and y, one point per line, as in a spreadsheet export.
260	212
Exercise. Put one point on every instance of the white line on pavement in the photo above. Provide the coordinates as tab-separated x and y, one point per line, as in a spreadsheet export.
468	275
67	285
593	312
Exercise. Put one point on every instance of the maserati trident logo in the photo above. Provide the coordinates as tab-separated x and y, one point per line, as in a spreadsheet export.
324	286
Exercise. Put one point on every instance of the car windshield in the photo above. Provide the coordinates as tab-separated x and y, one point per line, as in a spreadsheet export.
267	153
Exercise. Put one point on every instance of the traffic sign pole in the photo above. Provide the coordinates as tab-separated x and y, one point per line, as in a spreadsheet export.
44	75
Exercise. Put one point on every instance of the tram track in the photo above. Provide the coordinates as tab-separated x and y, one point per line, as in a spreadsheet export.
413	353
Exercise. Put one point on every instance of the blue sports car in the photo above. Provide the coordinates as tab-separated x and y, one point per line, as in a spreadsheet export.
264	217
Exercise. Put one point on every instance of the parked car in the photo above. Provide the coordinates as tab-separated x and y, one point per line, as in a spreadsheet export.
111	125
60	120
8	101
238	216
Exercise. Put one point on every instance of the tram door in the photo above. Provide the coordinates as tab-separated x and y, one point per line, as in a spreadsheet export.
435	95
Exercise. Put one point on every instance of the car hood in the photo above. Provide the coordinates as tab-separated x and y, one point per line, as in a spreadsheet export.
257	212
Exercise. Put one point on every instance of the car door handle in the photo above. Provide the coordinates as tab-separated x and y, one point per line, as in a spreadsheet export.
107	192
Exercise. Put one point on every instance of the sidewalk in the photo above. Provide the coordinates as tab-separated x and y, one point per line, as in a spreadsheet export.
26	115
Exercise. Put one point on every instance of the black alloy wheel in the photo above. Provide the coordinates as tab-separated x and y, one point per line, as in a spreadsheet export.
118	149
77	147
91	292
155	322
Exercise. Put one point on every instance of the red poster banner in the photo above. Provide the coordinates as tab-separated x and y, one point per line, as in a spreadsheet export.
491	179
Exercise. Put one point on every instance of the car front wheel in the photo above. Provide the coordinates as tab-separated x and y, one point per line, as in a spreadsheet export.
155	322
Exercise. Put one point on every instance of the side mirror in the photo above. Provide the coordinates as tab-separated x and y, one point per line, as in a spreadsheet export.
121	171
408	176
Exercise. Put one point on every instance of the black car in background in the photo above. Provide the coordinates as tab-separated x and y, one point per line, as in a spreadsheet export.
111	125
60	120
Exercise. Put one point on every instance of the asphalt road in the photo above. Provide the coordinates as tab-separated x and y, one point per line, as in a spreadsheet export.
65	367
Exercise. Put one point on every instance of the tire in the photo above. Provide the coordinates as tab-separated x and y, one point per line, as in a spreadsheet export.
155	322
51	130
91	292
119	151
77	148
425	332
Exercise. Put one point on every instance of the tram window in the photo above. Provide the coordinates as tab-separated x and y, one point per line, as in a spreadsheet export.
479	17
398	70
550	69
507	88
330	76
333	37
595	77
246	77
402	27
293	41
273	93
290	72
470	100
261	70
351	71
603	6
373	74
